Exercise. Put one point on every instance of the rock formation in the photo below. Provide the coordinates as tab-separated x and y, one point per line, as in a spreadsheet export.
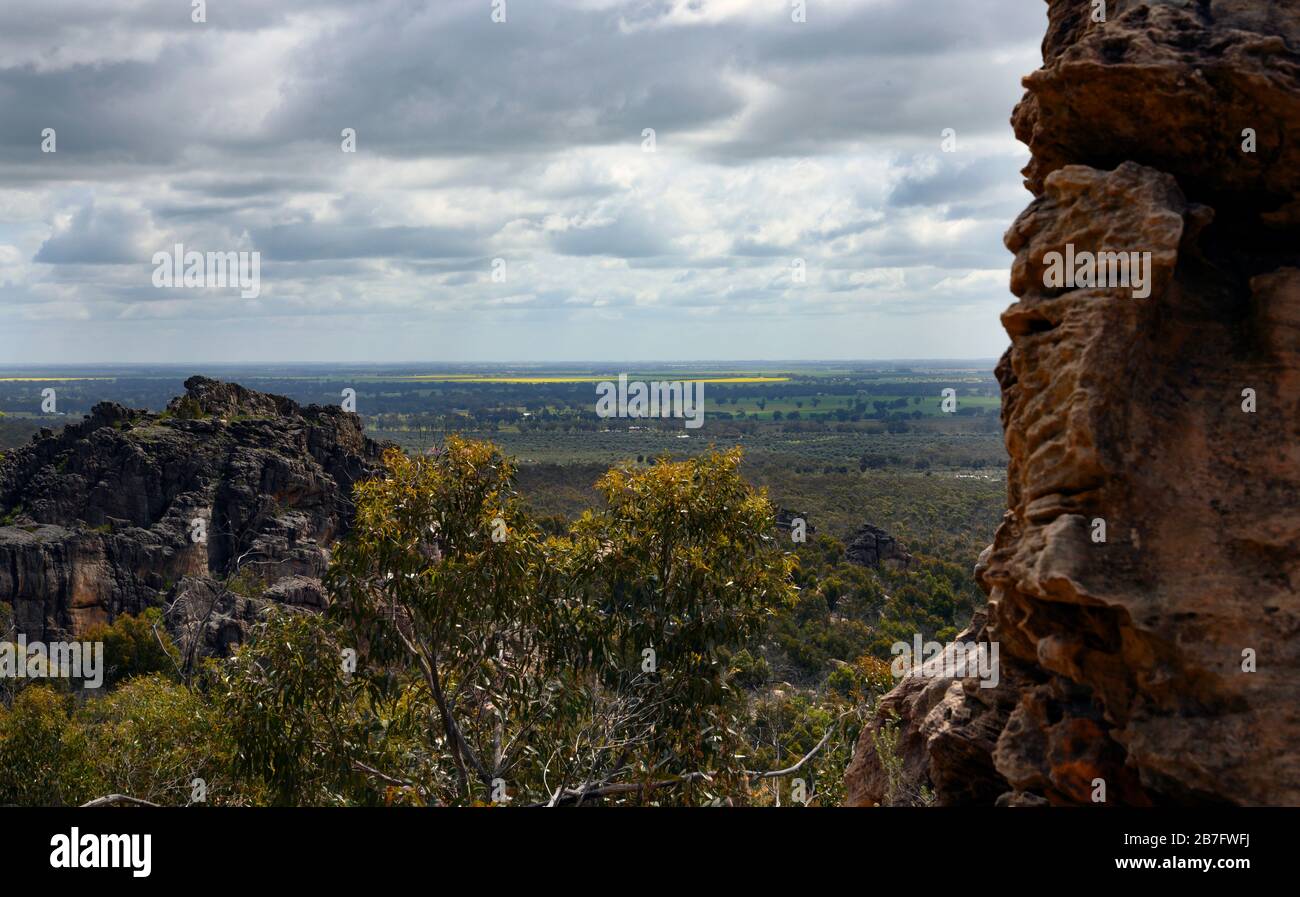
871	546
226	501
785	520
1144	585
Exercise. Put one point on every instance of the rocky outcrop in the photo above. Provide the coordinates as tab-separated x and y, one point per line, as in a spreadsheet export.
871	546
785	520
1144	586
226	501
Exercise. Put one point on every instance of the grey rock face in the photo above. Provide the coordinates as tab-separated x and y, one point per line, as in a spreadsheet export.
103	516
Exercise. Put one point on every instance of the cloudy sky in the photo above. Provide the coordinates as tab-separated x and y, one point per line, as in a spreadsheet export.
776	143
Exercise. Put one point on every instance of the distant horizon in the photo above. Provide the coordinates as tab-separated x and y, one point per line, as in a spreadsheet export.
607	362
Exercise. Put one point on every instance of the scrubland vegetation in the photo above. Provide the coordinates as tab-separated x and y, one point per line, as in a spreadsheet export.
618	621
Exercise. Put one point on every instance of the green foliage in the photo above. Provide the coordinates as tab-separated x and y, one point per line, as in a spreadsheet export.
845	610
786	729
291	707
152	738
136	646
443	578
43	759
247	582
682	563
188	408
898	793
526	644
748	671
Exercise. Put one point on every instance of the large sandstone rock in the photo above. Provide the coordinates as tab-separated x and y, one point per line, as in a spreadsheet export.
1127	660
102	514
871	546
1172	84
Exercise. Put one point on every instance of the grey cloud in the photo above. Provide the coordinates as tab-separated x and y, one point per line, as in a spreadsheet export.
56	24
900	28
303	242
117	112
442	79
475	138
624	238
956	179
200	211
452	82
96	236
258	187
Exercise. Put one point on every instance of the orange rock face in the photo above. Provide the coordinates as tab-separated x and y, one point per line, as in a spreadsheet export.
1144	586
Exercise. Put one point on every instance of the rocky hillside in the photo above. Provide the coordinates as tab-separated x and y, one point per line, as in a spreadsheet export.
228	499
1158	656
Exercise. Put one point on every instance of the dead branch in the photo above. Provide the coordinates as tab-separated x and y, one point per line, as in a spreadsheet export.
110	800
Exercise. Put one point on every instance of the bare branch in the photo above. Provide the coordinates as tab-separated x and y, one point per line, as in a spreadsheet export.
383	777
110	800
577	795
770	774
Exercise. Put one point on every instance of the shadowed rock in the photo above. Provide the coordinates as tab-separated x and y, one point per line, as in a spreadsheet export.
1129	661
104	515
871	546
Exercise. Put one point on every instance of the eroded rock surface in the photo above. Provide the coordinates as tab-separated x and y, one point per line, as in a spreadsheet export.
103	515
1128	660
871	546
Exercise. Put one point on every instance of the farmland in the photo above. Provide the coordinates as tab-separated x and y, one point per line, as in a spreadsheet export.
829	438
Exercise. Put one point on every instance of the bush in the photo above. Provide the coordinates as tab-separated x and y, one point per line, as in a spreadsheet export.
136	646
749	671
153	738
43	756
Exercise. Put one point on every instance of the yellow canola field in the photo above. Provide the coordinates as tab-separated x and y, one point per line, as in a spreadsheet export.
470	378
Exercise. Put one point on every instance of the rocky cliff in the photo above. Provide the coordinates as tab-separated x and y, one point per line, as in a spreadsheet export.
227	500
1143	586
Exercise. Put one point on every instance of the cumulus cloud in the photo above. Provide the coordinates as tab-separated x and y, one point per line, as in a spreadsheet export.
775	140
97	235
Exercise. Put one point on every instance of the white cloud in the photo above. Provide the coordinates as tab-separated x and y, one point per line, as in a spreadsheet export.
775	141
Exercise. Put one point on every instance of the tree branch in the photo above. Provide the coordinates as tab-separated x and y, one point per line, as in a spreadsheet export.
384	777
771	774
577	795
112	799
